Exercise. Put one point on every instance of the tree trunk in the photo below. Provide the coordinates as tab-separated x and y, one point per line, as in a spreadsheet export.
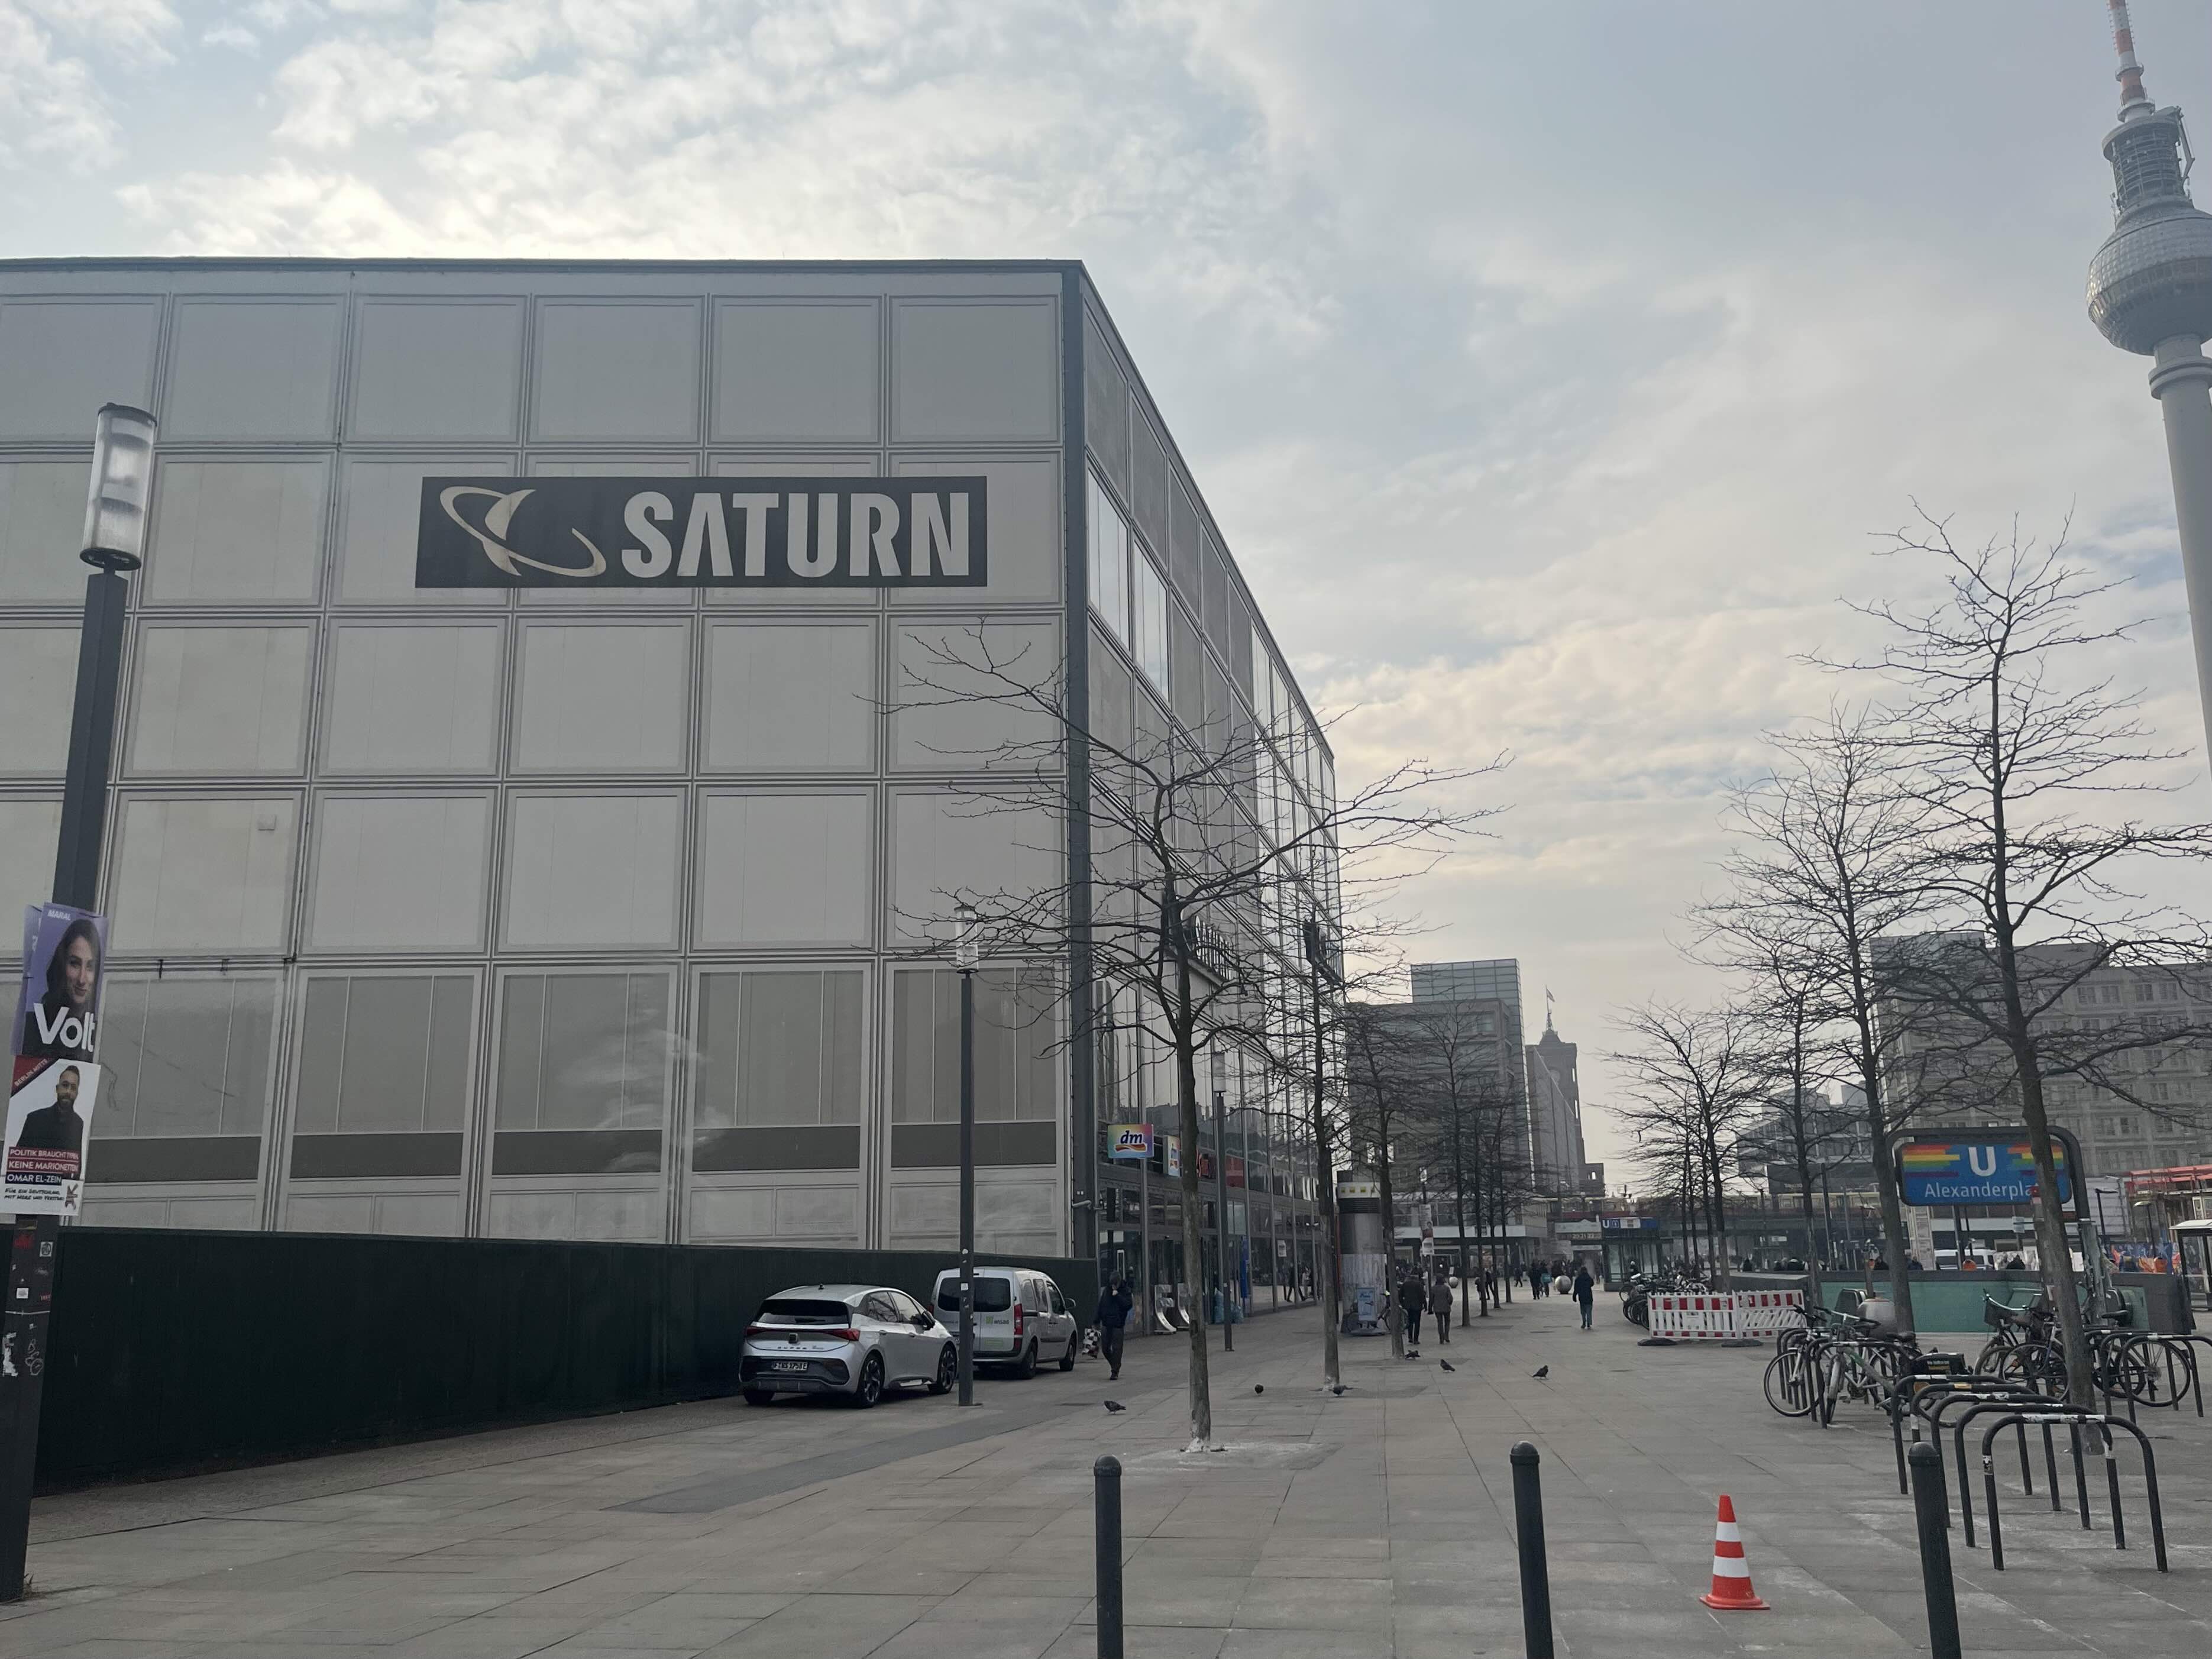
1459	1211
1194	1230
1330	1244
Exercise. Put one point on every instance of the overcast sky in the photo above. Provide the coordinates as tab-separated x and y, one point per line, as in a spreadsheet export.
1548	366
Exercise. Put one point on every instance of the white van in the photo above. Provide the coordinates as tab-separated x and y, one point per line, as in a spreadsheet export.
1020	1317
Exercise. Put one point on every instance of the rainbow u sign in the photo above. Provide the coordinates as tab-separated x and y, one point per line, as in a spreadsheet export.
1996	1171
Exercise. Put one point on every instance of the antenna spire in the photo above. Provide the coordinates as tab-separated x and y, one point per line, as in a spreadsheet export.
2133	100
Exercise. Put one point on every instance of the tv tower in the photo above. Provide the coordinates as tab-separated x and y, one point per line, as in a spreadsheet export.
2150	292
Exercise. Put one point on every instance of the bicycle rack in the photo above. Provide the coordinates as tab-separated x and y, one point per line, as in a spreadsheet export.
2104	1423
2046	1415
1943	1390
1983	1403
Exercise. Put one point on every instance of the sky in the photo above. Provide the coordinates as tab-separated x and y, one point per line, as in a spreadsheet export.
1551	370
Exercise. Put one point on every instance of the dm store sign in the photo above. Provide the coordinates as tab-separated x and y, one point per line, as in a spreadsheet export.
1975	1172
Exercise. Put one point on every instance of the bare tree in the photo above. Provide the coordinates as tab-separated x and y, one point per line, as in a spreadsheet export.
1826	864
1693	1077
1214	862
1791	1020
2008	741
1455	1052
1383	1105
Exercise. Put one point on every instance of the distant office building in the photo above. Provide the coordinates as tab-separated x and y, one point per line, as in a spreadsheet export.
1498	980
1942	1074
1555	1113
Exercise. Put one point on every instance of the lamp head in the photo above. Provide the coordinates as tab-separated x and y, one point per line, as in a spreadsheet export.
1220	1071
122	481
965	950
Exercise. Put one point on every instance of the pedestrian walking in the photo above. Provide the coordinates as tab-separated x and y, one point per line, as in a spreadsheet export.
1112	1319
1440	1298
1412	1304
1585	1292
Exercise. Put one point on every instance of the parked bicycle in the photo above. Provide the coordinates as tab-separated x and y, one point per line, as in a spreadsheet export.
1830	1357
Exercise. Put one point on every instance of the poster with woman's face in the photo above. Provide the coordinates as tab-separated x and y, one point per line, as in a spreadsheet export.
65	958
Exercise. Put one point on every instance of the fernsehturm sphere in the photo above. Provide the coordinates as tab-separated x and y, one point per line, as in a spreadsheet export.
2150	292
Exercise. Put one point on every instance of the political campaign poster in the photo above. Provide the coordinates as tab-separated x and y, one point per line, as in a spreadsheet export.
49	1121
64	962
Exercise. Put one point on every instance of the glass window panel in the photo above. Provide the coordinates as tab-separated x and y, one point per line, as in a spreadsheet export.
1017	1062
1148	621
586	870
185	1055
583	1051
384	1053
1110	562
780	1048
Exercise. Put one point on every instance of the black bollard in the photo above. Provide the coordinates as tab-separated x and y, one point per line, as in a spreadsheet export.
1536	1571
1931	1508
1106	1506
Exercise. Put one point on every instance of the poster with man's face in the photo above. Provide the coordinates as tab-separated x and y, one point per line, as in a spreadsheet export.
65	960
48	1120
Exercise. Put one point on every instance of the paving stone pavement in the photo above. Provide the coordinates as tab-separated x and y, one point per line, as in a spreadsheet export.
1376	1525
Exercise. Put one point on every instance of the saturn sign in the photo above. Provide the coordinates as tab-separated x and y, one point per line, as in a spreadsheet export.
704	533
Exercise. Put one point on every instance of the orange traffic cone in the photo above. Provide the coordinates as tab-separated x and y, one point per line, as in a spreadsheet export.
1731	1590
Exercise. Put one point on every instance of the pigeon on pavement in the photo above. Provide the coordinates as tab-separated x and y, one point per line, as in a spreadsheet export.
1115	1405
1337	1389
1540	1372
1447	1364
1258	1387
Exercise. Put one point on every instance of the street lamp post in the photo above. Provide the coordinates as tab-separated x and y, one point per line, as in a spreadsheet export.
964	955
1221	1193
114	543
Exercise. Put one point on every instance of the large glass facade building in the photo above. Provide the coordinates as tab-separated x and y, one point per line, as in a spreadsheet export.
609	913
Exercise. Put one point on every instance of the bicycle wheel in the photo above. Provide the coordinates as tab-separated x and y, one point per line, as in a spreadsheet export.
1834	1376
1788	1383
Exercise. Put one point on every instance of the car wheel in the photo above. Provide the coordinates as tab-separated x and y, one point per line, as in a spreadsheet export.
1067	1360
948	1370
871	1387
1026	1365
759	1397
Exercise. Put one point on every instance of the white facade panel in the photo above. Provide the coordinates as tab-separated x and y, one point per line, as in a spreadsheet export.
975	368
30	831
37	684
622	370
780	869
793	371
437	370
965	701
790	696
947	845
421	699
252	369
210	877
220	701
401	872
602	697
41	529
246	532
591	870
60	359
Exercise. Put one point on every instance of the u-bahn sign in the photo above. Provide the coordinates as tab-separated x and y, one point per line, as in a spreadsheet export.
704	533
1995	1168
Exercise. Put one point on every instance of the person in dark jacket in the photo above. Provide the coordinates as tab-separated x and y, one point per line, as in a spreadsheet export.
1413	1303
1440	1305
1112	1319
1585	1292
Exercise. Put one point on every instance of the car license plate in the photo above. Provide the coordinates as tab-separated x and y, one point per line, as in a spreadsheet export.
788	1365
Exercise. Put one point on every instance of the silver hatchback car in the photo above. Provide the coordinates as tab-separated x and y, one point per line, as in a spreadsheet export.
849	1340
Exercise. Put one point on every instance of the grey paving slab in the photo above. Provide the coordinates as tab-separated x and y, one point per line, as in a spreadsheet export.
1374	1524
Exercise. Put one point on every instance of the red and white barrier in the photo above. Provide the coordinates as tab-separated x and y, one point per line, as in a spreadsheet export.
1718	1315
